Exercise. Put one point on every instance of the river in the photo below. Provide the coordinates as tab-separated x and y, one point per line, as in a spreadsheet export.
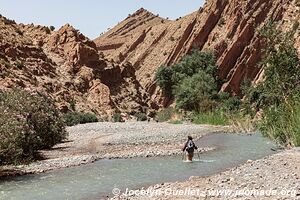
96	180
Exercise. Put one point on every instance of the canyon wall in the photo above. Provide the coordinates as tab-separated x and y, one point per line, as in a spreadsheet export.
67	66
229	28
115	72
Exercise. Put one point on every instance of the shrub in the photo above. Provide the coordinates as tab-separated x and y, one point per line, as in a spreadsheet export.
6	64
193	81
229	103
47	30
165	114
141	116
28	123
164	79
73	104
196	93
52	28
221	21
20	64
194	84
279	93
74	118
282	123
117	117
168	78
19	31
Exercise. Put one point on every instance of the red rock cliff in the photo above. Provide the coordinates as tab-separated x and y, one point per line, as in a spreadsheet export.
228	27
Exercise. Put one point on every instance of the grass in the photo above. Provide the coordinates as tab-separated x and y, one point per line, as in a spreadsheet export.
210	118
282	124
176	121
241	123
165	114
296	126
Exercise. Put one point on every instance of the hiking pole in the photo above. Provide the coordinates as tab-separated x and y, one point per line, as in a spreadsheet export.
198	152
183	155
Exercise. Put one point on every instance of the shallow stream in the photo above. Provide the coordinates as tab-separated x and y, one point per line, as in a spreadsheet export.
96	180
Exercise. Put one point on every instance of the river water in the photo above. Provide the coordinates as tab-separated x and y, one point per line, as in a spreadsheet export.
94	181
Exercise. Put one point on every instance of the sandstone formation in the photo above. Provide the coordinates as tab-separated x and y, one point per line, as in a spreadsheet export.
67	66
226	27
115	72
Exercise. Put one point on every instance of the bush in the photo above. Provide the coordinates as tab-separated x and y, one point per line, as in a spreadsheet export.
117	117
141	116
28	123
194	84
192	81
52	28
282	124
163	76
165	114
278	94
74	118
196	93
47	30
229	103
169	77
19	31
20	64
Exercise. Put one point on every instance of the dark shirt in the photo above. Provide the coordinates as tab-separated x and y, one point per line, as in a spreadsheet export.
185	147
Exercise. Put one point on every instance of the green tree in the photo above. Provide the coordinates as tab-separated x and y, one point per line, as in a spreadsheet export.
28	122
164	79
170	77
281	67
196	93
278	94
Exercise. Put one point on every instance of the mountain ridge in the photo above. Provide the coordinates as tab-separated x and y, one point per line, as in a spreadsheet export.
115	72
226	27
67	66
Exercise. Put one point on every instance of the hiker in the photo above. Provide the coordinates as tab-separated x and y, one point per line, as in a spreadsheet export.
189	147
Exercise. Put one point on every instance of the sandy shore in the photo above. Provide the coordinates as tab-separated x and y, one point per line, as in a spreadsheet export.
274	177
90	142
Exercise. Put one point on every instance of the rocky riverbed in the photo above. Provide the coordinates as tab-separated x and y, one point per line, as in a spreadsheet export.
90	142
274	177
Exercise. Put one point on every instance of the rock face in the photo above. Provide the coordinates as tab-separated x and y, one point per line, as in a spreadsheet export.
227	27
115	72
67	66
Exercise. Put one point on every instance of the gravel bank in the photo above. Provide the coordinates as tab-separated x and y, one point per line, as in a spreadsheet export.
273	178
90	142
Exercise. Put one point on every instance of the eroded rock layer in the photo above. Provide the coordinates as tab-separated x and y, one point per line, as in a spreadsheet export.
227	27
115	72
68	67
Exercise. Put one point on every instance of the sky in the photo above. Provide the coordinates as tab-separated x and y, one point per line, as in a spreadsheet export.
91	17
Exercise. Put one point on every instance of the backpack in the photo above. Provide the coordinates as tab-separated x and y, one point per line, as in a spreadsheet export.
190	146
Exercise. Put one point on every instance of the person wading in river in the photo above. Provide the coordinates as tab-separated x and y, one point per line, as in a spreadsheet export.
189	147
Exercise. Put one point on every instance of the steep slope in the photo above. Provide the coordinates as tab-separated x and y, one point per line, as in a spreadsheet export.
227	27
67	66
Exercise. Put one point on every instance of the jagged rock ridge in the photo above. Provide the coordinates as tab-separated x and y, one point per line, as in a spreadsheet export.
67	66
227	27
115	72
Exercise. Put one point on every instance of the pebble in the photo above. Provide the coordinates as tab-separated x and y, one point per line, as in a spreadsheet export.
155	139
